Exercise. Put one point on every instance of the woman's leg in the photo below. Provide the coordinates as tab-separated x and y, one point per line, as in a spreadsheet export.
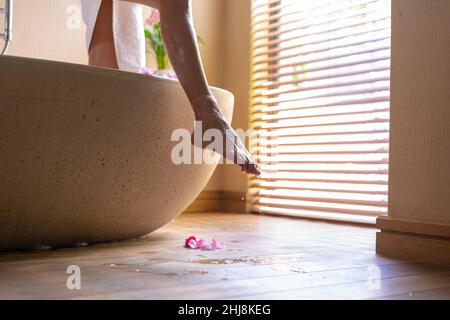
181	44
101	50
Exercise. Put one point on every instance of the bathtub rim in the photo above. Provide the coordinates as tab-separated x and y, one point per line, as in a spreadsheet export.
107	71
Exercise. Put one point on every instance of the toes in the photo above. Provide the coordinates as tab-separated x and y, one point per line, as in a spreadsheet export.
253	169
250	168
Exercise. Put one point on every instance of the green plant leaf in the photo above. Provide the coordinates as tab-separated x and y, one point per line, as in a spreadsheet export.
201	41
153	33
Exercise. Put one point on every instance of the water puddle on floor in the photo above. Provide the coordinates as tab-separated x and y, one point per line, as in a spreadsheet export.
233	250
200	272
185	272
283	264
169	274
150	265
277	263
136	263
221	261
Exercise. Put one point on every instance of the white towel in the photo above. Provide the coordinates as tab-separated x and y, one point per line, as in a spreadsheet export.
128	31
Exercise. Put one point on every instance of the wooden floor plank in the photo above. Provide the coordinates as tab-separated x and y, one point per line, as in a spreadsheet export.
265	257
433	294
362	290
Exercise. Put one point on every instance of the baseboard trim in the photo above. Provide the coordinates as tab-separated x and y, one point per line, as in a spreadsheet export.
219	201
207	201
422	227
234	201
413	240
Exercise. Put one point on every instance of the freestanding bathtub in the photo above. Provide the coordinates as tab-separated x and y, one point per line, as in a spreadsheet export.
85	153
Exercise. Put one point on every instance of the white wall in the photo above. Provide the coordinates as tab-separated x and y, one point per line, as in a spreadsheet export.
42	29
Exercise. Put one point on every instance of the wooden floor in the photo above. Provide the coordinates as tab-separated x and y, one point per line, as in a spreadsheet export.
265	258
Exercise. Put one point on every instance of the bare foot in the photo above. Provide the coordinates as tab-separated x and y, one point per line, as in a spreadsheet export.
207	111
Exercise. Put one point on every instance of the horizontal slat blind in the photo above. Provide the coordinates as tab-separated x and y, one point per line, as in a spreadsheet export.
320	107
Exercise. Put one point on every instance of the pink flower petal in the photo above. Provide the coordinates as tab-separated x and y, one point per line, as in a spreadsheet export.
156	73
192	242
146	71
218	245
214	245
153	17
201	243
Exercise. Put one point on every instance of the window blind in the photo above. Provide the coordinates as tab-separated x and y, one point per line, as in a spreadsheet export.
320	108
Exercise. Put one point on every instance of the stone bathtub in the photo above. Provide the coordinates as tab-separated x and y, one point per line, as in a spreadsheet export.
85	153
